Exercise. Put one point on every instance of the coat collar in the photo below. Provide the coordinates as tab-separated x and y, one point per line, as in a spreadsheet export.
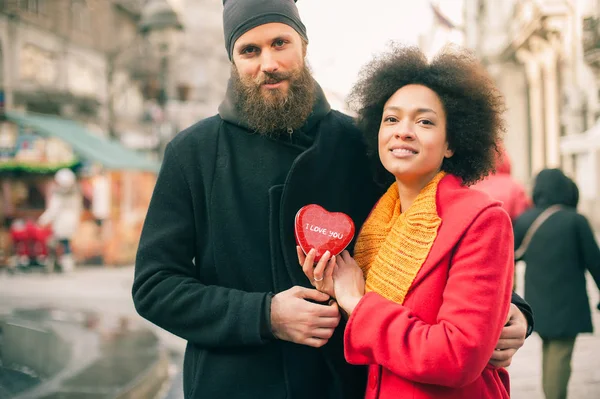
305	185
458	206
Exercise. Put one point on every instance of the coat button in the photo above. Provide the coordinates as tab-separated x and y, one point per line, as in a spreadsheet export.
373	381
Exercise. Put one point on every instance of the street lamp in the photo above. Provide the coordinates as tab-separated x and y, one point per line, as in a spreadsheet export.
161	25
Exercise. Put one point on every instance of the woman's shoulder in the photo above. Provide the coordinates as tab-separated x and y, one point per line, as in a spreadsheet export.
453	196
466	211
461	207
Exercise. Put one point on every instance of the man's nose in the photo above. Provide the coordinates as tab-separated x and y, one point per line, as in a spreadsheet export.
268	62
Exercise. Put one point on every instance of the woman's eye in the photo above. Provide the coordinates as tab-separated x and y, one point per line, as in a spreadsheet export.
390	119
426	122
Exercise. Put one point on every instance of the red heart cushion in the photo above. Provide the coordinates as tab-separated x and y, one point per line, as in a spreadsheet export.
324	231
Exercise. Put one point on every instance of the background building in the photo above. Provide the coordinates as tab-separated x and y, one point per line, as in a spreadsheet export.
535	51
53	61
92	64
201	63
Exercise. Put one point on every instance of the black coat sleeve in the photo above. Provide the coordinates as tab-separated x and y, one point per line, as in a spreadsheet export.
520	227
588	248
525	309
165	288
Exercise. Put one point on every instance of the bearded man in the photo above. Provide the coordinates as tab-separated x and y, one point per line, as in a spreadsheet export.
217	261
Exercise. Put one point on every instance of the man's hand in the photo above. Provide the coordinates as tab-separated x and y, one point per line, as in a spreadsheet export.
511	339
295	319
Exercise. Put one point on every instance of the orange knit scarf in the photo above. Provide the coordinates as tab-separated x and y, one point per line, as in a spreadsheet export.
392	246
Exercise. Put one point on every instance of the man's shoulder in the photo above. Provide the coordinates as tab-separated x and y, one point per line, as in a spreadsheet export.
345	123
343	119
199	133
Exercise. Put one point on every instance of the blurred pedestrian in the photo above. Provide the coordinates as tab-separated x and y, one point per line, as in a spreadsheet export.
558	247
63	213
501	186
101	201
100	198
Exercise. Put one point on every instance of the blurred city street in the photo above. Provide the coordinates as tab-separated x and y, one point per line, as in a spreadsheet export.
108	291
105	291
92	93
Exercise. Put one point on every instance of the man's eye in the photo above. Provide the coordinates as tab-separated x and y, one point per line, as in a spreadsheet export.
249	50
279	43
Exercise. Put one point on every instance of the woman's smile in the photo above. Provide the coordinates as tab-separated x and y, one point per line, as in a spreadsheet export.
403	151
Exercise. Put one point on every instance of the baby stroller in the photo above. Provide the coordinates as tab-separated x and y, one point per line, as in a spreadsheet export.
31	246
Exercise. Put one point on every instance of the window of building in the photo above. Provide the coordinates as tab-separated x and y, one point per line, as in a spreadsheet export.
32	6
80	16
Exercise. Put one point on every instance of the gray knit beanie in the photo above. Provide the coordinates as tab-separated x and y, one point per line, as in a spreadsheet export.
239	16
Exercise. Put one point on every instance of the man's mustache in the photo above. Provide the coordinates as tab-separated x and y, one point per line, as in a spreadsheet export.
272	77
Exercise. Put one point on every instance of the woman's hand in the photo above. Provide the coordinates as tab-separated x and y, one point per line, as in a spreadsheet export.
348	282
320	276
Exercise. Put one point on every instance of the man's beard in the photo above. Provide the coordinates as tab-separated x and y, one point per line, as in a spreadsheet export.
272	111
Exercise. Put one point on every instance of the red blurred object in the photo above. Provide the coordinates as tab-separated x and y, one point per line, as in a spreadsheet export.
30	240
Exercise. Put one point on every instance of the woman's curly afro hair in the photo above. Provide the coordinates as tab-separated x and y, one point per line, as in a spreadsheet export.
474	106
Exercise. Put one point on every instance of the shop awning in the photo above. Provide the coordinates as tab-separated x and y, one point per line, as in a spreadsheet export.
109	153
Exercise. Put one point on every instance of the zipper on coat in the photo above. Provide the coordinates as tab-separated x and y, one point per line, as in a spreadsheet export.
290	132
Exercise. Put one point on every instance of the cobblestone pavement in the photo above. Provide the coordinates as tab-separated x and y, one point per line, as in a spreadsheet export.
108	290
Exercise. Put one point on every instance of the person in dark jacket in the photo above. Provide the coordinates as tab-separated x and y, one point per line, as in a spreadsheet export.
559	253
216	263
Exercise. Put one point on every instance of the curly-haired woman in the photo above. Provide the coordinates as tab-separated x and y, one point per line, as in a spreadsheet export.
429	287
